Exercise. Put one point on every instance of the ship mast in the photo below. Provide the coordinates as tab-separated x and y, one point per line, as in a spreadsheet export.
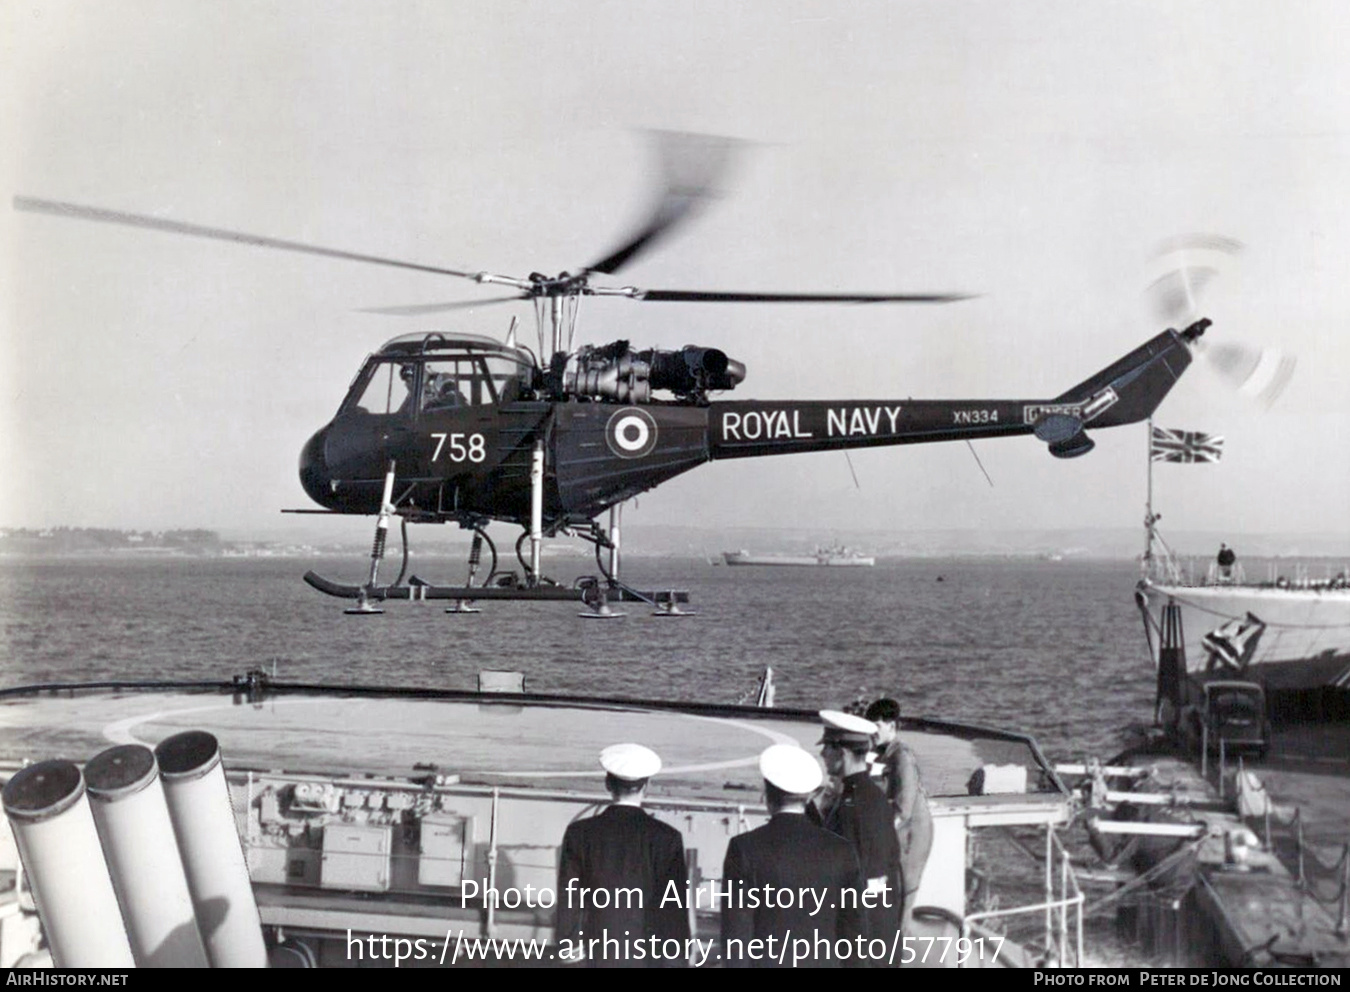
1146	563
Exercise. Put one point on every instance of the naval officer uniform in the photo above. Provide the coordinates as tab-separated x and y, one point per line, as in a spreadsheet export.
790	853
606	857
863	816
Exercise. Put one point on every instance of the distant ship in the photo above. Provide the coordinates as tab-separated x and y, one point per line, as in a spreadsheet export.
831	557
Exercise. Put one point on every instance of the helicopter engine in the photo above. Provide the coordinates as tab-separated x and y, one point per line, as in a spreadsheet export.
615	371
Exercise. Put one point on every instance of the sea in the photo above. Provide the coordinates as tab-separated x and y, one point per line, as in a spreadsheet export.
1051	648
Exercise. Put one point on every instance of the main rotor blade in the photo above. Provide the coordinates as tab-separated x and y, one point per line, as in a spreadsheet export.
702	296
80	212
693	164
415	309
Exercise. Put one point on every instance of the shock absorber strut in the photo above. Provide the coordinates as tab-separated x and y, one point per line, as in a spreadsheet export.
363	604
475	556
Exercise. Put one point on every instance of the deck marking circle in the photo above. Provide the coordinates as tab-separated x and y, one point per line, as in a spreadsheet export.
120	732
631	433
773	736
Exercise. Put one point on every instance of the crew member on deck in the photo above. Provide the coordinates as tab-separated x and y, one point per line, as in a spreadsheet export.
864	818
1226	559
790	853
897	771
620	849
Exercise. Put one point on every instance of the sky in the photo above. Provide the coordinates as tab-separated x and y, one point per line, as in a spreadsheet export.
1034	153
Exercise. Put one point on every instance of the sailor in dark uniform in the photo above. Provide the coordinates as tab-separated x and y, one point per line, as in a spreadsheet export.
896	770
615	873
790	854
863	816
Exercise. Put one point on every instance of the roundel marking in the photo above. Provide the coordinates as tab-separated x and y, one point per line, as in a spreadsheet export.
631	433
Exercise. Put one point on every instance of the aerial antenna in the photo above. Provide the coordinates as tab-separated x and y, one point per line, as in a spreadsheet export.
980	463
511	332
851	472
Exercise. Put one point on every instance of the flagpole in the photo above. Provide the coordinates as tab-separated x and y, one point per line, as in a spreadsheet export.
1149	518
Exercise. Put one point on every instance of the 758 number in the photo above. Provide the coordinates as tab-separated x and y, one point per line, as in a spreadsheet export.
461	447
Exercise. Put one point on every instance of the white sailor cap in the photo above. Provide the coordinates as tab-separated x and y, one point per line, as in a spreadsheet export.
630	762
788	767
846	729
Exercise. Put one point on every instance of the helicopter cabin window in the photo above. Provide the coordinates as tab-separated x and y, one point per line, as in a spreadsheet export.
510	378
450	383
387	389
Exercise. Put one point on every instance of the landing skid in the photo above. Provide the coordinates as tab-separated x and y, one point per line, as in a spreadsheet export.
363	608
595	592
668	608
604	613
425	591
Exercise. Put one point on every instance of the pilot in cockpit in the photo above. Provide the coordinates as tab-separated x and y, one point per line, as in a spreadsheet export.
441	392
407	374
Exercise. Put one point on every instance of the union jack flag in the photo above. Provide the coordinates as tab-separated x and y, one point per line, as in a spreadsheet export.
1232	645
1185	446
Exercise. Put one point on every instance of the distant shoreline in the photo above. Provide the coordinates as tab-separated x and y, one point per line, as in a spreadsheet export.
670	541
355	553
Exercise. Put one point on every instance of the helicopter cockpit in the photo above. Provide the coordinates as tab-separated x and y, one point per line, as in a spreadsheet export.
426	374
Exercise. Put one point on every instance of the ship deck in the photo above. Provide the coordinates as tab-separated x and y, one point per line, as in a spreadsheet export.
1279	906
492	739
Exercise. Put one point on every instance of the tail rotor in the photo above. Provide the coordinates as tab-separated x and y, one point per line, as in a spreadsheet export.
1189	265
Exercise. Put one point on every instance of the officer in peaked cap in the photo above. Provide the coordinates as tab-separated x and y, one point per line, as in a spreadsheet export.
789	853
630	763
604	857
846	731
863	816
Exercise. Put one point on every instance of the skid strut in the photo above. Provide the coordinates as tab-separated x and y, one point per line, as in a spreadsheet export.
363	605
597	596
615	520
595	592
475	556
536	509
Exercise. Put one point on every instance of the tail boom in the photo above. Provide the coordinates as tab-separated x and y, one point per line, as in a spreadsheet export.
1125	392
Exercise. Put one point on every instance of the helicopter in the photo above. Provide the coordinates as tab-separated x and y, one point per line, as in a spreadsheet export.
466	429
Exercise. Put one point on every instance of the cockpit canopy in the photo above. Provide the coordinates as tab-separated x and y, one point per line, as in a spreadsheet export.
428	373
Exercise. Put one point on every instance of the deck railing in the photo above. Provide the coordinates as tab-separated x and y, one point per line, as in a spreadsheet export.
1062	908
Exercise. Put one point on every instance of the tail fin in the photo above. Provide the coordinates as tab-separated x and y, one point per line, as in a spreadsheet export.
1124	392
1130	389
